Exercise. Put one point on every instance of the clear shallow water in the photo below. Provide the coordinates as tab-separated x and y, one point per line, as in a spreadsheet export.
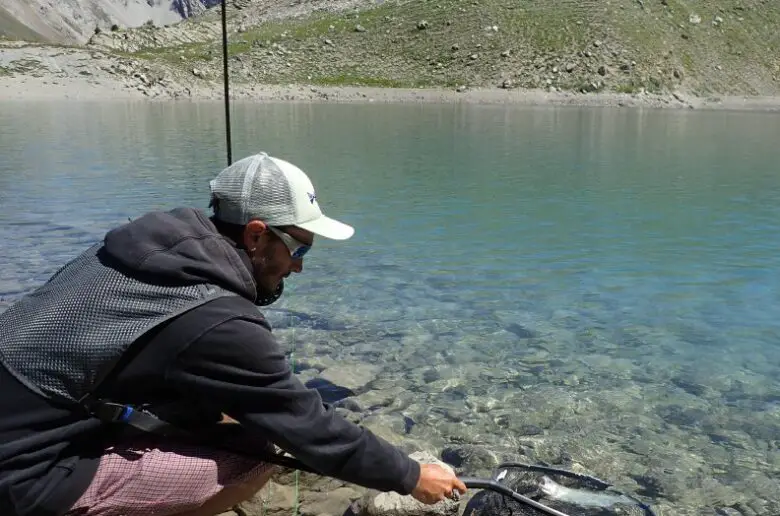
597	285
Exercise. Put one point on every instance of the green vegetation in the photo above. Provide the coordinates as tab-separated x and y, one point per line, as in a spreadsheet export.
620	45
187	52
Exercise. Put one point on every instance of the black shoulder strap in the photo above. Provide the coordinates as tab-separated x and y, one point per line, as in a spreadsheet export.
118	413
174	337
181	331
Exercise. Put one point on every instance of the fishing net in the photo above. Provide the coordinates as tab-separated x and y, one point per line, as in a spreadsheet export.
587	495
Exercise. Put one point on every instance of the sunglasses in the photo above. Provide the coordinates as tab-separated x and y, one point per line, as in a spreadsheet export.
297	249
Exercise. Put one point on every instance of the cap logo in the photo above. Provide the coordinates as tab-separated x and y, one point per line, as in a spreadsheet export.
312	197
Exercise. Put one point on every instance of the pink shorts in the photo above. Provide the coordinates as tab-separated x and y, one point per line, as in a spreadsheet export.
148	478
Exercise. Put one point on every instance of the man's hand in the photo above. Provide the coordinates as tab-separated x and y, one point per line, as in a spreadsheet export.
227	420
436	483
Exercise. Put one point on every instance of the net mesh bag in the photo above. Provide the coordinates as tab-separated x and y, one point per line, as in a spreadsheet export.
572	494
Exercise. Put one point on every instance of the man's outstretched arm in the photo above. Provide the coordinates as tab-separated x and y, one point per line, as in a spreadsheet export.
239	368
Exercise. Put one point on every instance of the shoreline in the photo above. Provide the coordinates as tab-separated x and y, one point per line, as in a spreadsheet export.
44	73
108	88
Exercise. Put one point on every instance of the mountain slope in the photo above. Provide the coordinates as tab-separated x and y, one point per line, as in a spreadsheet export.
74	21
12	28
690	46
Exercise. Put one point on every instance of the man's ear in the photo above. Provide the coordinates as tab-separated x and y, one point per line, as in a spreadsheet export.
253	233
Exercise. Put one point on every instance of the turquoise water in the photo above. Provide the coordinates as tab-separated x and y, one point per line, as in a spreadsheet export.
610	278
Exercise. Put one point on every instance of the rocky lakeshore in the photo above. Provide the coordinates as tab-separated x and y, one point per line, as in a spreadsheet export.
39	72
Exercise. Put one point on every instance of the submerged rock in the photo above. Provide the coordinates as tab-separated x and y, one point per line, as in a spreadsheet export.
354	377
470	458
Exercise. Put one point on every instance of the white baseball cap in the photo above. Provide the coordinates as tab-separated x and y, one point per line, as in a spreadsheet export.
274	191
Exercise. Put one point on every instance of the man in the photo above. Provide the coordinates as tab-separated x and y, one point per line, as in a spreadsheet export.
162	316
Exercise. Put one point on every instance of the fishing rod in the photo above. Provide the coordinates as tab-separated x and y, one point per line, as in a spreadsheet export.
226	82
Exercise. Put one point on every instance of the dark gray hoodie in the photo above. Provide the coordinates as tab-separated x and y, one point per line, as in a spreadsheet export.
228	362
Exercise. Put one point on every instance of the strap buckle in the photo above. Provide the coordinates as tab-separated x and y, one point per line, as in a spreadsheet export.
111	412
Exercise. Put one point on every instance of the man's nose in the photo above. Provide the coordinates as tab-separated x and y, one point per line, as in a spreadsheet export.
297	265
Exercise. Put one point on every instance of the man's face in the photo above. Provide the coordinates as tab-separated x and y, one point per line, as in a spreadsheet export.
276	252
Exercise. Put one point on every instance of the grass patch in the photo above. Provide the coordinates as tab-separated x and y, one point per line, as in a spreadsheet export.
354	80
687	62
626	88
346	79
184	54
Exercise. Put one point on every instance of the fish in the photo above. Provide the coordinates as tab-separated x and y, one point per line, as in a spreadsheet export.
581	497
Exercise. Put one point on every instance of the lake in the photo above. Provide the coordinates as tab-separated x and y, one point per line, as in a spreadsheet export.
596	289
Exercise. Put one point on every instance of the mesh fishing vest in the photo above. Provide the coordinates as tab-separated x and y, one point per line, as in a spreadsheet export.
63	338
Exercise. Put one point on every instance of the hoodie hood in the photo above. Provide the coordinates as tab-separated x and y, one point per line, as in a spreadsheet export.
181	246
